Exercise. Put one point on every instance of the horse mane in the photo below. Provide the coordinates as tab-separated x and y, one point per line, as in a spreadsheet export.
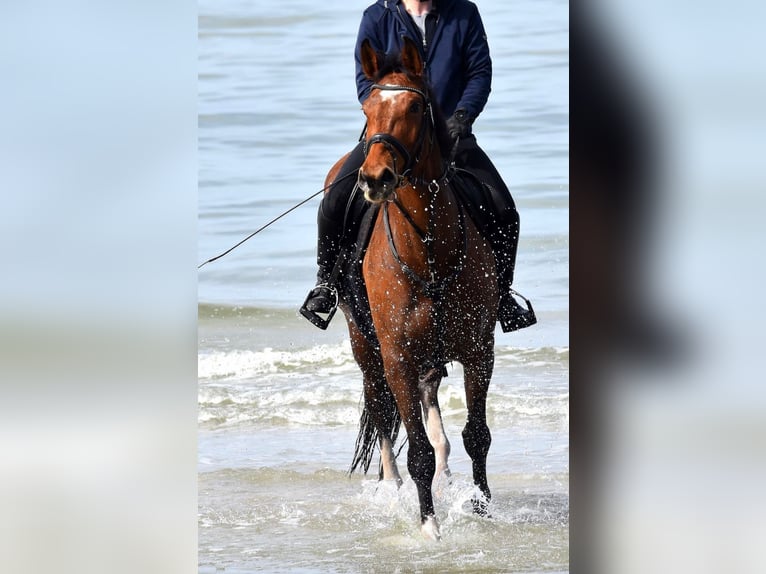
391	63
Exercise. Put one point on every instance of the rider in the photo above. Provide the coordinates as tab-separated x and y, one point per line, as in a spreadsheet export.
459	70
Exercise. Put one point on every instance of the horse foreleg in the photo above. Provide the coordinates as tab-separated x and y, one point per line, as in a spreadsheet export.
428	386
420	453
476	435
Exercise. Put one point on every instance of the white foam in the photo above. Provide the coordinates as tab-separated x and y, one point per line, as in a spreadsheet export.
430	529
246	364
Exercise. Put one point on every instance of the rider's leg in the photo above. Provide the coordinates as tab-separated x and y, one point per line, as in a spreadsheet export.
503	235
330	232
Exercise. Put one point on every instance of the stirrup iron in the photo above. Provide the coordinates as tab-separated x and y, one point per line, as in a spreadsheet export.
315	318
519	321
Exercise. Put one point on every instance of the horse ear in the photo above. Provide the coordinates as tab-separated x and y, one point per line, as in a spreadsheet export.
411	59
370	63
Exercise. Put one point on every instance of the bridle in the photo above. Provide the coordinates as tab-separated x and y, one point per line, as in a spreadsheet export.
393	144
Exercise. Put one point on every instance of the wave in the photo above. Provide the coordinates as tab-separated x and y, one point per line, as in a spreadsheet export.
321	359
238	365
219	311
322	386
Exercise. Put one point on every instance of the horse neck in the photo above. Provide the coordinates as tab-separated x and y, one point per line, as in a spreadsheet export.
429	172
429	168
428	200
430	165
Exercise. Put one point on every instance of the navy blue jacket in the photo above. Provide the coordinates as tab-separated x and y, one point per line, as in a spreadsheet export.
457	62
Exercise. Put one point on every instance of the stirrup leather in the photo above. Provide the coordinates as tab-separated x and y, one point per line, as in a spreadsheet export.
315	318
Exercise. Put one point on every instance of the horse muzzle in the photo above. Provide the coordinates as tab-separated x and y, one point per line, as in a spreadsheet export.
380	187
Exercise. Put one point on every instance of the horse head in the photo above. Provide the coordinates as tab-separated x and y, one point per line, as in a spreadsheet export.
399	114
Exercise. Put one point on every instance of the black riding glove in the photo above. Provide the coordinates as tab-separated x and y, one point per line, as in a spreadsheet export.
459	124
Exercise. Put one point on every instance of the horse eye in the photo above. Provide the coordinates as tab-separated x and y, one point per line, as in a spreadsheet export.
415	108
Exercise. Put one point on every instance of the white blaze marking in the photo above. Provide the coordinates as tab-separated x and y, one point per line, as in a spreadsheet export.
389	94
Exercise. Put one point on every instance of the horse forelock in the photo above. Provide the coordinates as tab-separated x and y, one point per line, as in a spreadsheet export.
392	64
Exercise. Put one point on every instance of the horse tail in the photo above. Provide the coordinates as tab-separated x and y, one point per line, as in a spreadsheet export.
368	436
365	443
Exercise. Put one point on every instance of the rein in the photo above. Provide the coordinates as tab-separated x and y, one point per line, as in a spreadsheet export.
277	218
432	287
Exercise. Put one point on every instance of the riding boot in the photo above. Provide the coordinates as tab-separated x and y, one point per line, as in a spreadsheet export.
504	239
323	298
499	223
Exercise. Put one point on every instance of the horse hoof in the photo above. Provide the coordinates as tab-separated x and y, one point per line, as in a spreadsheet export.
481	507
430	529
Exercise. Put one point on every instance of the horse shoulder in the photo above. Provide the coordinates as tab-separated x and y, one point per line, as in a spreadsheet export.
333	173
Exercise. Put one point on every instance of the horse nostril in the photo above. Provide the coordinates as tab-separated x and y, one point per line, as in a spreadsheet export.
365	181
387	178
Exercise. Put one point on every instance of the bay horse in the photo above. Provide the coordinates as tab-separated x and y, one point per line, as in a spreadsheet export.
431	284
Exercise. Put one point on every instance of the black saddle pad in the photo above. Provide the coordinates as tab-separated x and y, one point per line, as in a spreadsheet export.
353	291
476	197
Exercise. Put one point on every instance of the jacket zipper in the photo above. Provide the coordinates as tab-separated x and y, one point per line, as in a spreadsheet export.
409	23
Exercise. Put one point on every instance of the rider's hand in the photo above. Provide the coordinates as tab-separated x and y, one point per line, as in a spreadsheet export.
459	124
